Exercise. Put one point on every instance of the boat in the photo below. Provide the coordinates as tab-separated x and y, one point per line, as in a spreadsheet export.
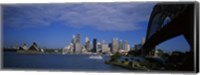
96	57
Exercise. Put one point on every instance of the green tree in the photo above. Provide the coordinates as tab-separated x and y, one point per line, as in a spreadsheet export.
115	57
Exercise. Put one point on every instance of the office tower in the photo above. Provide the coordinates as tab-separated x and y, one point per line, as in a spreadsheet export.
120	45
78	38
90	46
78	46
126	45
87	44
114	45
110	45
94	45
86	39
105	48
73	42
98	46
73	39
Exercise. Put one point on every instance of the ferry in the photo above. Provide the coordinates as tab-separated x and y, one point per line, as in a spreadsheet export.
95	57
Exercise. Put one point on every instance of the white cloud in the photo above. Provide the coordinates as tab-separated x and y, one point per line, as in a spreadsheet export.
102	16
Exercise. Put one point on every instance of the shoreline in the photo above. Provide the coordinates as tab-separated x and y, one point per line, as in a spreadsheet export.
39	52
127	66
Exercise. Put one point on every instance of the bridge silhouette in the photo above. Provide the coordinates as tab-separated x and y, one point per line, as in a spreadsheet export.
169	20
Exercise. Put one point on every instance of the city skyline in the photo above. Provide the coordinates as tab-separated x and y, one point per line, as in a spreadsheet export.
49	28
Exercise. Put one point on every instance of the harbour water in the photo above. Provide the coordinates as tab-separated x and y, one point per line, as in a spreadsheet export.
68	62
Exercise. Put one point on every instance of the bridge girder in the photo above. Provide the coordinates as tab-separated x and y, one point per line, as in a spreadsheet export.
182	17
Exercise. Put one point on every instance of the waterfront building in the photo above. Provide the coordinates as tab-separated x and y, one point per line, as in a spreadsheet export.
110	46
90	47
65	50
83	49
34	47
105	48
78	38
73	42
87	44
114	45
78	47
73	39
157	52
20	48
120	45
99	47
94	45
126	45
68	49
86	39
71	48
138	46
24	47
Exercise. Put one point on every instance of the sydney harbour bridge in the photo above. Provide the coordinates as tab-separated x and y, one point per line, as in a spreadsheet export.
169	20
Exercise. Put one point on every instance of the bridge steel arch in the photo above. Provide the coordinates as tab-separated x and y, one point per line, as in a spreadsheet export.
181	23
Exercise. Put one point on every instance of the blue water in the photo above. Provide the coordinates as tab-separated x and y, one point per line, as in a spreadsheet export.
12	60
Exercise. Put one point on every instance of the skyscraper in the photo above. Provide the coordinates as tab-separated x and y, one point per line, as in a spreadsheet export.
114	45
78	48
129	47
90	46
105	47
78	38
98	47
87	44
73	39
94	45
86	39
78	44
120	45
126	45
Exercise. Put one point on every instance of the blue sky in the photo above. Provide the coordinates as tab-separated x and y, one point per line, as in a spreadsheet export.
52	25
